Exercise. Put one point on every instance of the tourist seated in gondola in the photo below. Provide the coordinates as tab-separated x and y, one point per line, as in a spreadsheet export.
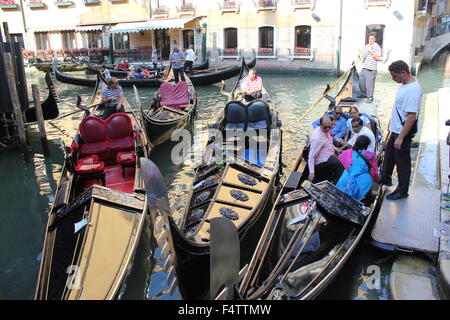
322	161
252	86
360	130
354	113
139	73
146	73
112	99
361	169
340	128
131	74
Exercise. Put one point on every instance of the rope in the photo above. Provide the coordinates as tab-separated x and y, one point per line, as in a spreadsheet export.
328	91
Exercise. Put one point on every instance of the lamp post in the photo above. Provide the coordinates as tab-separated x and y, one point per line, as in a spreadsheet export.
204	42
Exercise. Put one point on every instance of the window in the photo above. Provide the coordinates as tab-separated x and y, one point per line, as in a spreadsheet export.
231	38
302	39
41	40
122	41
266	38
378	29
95	39
68	40
188	38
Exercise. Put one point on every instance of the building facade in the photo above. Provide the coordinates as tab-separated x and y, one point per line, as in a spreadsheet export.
283	34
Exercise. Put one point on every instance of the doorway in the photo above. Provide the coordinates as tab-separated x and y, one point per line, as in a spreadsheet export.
162	41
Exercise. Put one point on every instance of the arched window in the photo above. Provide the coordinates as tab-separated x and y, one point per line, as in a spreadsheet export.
230	36
266	38
302	40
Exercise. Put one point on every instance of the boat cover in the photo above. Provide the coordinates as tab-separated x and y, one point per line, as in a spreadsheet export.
174	95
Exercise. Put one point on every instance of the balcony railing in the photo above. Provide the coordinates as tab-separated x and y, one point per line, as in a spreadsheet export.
186	9
303	4
375	3
265	5
35	4
88	2
229	6
230	53
8	4
302	53
266	53
438	30
63	3
161	12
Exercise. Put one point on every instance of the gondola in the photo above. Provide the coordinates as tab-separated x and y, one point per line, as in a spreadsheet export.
199	78
96	219
311	232
49	106
120	73
237	188
173	107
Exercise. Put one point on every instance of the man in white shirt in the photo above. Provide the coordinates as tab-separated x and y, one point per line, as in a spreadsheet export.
190	57
403	127
361	130
369	56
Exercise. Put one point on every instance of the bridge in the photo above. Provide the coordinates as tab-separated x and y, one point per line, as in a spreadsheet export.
438	37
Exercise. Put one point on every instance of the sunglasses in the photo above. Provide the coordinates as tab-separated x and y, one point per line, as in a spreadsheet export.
326	127
355	127
338	112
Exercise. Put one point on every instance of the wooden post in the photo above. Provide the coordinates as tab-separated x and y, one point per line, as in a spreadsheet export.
40	119
11	79
6	31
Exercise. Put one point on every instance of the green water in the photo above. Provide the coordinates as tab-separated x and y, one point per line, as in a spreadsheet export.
28	182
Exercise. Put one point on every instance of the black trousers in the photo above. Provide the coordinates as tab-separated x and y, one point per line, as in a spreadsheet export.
400	158
155	66
188	65
330	170
178	73
253	96
106	111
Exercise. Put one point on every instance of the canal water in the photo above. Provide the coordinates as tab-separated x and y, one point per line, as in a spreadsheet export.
28	183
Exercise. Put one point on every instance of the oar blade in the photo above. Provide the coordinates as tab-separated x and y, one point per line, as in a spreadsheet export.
224	256
154	186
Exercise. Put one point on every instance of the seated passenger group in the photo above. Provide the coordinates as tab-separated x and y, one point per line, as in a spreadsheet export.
356	168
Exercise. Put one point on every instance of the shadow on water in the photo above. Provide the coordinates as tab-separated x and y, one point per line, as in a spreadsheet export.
28	188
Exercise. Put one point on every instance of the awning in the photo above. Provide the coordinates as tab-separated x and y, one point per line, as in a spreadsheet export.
88	28
53	29
154	24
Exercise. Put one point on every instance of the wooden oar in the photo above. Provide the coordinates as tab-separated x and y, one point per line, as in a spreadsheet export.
327	91
224	257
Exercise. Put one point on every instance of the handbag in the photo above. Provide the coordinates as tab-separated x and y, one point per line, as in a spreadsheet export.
412	132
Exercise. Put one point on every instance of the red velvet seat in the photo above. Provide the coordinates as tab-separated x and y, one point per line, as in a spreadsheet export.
119	128
94	136
126	159
88	160
89	171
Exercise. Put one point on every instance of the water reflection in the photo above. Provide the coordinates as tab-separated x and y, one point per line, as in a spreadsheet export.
28	187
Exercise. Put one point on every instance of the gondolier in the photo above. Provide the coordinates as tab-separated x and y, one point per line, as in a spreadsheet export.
177	58
112	98
369	55
190	58
403	127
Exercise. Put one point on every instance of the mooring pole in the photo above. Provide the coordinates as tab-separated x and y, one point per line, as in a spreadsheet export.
40	119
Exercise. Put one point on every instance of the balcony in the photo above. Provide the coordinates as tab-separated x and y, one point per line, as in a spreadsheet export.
266	53
35	4
63	3
89	2
230	53
376	3
303	4
302	53
228	6
161	12
186	10
8	4
262	5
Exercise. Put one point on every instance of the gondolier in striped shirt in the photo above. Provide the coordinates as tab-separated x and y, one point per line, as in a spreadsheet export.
369	56
112	98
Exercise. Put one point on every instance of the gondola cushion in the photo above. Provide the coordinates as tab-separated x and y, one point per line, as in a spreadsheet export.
88	160
93	148
174	95
126	143
259	116
235	115
89	168
119	125
126	158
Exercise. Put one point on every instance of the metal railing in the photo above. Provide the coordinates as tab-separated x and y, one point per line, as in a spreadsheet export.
438	30
265	4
